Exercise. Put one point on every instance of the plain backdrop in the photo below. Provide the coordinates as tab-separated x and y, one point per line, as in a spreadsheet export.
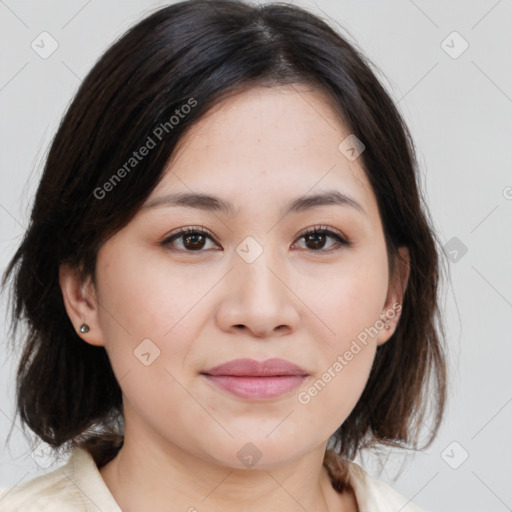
457	101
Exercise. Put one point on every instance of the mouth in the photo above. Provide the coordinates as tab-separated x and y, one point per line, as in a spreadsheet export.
248	378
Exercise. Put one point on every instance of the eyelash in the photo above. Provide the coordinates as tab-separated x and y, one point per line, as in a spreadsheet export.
340	241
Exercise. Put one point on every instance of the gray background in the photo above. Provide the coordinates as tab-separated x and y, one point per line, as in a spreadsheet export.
458	108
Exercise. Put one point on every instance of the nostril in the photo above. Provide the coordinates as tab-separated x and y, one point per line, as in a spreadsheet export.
282	329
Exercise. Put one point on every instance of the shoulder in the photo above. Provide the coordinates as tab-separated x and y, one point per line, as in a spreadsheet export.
51	489
75	486
372	495
379	496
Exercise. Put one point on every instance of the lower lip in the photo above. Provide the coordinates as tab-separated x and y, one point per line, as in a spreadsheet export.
257	387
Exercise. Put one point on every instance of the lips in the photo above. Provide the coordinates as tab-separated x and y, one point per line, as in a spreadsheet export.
260	380
253	368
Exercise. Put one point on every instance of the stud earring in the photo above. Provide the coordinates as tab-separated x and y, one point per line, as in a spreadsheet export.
383	317
84	328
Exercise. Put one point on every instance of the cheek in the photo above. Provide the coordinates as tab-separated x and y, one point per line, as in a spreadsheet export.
145	295
348	299
346	359
328	400
143	316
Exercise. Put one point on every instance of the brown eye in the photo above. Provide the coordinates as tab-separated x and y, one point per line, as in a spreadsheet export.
192	240
316	238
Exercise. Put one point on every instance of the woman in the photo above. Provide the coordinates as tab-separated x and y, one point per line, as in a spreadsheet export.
229	278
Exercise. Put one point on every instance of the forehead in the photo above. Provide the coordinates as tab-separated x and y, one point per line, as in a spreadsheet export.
285	121
273	143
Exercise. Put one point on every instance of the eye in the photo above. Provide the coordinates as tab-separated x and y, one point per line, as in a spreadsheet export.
192	238
316	237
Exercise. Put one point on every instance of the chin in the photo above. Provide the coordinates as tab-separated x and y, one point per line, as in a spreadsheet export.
259	452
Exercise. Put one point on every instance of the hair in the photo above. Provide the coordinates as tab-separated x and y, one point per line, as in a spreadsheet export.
197	53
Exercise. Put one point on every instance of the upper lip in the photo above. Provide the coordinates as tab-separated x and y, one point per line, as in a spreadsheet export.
252	368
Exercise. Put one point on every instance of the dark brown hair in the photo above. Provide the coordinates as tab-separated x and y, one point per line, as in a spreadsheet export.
203	51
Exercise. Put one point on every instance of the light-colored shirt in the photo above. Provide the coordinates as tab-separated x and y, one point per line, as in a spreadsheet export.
78	486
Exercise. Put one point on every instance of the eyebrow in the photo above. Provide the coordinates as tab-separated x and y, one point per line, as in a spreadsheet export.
216	204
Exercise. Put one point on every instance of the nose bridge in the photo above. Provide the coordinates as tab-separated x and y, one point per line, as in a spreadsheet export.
257	296
256	266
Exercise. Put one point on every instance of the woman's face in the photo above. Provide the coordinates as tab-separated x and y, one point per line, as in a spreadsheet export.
251	285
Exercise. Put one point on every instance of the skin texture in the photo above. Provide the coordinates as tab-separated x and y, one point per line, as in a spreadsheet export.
259	150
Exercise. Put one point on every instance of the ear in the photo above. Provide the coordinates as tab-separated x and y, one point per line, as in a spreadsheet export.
396	290
81	303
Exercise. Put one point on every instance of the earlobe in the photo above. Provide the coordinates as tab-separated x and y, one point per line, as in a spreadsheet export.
390	315
81	305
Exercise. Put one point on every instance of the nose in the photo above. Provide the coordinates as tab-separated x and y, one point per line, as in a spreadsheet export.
258	299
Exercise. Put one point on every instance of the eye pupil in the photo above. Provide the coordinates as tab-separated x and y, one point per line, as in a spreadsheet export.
194	244
318	239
